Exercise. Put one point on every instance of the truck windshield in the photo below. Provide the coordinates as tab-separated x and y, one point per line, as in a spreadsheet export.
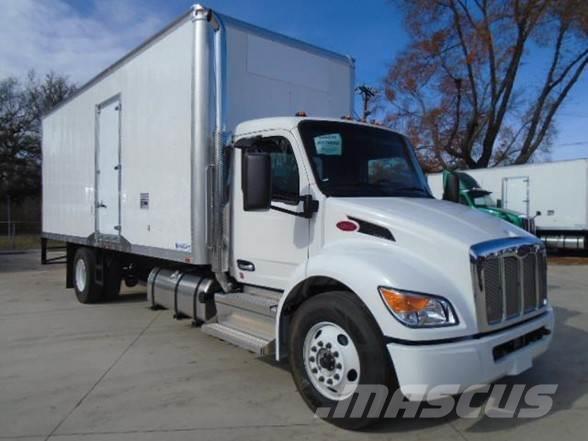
351	160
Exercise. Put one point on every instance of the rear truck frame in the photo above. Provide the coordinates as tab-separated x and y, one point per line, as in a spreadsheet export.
312	239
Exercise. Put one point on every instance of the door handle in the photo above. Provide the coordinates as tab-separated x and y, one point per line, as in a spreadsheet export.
100	205
245	265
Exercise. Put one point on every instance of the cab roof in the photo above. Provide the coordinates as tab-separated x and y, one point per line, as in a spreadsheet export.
291	122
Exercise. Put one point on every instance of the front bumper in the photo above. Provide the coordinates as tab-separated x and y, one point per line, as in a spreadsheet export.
466	362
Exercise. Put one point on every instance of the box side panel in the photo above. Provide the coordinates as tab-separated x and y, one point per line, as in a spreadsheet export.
155	94
270	77
68	173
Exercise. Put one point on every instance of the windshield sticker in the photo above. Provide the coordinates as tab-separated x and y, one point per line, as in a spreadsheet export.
329	145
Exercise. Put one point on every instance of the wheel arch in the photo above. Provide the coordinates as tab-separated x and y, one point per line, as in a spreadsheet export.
302	291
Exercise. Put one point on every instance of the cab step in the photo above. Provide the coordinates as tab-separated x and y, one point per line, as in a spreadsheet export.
246	319
258	346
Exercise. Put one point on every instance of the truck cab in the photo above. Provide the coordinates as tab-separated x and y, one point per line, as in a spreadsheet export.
337	214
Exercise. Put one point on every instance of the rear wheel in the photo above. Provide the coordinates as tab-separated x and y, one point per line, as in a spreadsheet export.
335	346
85	286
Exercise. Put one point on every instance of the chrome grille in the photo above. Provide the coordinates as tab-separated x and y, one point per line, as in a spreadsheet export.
510	279
512	284
530	283
493	290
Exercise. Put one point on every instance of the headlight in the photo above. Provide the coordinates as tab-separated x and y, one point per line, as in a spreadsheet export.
418	310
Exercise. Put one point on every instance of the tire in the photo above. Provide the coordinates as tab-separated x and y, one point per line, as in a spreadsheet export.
84	269
334	314
112	278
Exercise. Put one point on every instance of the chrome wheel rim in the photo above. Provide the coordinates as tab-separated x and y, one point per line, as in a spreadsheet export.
81	274
331	361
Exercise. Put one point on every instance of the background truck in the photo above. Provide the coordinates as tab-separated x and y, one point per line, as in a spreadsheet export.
473	195
555	194
315	239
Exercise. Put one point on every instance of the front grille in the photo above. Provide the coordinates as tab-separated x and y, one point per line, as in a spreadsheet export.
510	282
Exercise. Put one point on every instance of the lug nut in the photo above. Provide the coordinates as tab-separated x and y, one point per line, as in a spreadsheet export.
339	366
328	345
329	381
336	376
320	343
313	349
314	370
336	354
311	358
321	379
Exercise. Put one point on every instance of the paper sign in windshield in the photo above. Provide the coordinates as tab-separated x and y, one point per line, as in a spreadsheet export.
329	145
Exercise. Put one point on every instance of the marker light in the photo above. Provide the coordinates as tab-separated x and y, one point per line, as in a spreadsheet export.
418	310
347	226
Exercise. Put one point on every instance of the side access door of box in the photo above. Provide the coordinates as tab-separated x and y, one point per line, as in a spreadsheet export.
108	168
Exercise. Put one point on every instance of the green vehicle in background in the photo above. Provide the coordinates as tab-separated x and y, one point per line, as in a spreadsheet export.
471	194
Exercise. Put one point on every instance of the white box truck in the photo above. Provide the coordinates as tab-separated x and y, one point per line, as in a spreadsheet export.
553	194
315	239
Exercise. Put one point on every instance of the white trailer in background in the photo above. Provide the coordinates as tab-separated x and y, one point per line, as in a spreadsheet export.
312	238
556	193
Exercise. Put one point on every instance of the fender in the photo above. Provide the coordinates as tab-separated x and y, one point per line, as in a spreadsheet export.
363	267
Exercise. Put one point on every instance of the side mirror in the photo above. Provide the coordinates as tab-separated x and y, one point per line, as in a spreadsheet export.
451	188
498	203
256	181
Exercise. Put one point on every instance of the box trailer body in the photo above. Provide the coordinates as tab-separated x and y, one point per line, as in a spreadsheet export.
109	174
554	193
313	238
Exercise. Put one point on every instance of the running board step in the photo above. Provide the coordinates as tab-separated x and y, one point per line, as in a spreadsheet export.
254	303
257	345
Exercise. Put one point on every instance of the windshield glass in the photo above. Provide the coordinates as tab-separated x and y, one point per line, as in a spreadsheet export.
350	160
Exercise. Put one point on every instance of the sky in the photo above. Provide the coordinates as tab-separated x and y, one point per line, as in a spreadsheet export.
80	38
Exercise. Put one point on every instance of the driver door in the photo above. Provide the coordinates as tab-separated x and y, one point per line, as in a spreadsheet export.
268	246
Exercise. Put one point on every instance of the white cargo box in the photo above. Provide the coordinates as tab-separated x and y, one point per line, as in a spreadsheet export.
118	155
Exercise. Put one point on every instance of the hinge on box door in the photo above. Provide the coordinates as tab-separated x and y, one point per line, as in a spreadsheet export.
117	107
117	227
117	167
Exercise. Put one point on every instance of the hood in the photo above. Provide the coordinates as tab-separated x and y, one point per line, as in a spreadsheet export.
427	220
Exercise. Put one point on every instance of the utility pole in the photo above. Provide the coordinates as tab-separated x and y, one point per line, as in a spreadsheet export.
367	94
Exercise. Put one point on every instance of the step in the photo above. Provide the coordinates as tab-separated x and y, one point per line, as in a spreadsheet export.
266	306
257	345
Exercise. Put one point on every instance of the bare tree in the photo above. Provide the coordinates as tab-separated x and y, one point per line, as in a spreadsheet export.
22	103
457	90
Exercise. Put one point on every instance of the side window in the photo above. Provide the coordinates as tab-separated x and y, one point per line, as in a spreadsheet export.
285	177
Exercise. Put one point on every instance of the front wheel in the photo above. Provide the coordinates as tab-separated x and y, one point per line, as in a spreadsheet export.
335	346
